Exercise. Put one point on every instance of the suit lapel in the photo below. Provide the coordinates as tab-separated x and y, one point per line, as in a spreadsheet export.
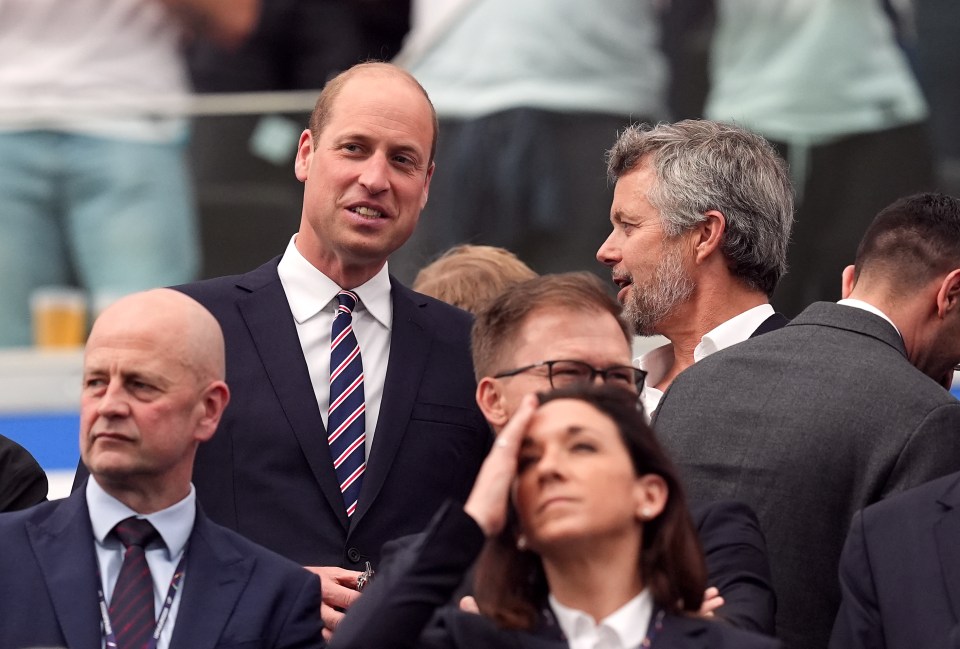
267	315
410	343
947	534
215	577
64	547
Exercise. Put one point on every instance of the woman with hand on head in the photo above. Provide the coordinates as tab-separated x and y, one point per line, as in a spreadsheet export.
584	541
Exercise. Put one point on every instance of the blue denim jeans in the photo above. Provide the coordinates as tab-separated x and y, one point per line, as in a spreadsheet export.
113	216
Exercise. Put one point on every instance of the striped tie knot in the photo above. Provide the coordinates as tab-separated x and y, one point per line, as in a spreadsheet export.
136	531
347	301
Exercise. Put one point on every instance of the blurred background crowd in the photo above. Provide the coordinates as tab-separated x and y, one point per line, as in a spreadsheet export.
149	142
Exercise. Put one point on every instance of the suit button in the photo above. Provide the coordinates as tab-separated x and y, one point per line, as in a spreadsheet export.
354	555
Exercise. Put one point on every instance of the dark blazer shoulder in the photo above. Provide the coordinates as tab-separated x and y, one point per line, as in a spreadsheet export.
431	311
908	505
228	288
22	481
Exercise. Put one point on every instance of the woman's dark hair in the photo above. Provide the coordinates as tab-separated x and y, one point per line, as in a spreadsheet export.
511	585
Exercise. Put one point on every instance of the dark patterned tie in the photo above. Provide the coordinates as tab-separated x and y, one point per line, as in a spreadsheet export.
132	613
346	421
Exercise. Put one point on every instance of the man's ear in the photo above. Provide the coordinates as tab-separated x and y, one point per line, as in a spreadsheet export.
426	184
709	234
948	297
491	402
847	280
301	165
213	401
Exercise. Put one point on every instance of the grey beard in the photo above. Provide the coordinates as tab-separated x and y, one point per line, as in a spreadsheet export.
652	301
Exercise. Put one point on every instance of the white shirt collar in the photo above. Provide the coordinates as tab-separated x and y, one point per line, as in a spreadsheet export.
625	628
175	523
733	331
309	291
658	361
866	306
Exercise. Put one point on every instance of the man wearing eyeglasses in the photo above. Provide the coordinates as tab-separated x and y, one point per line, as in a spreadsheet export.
560	330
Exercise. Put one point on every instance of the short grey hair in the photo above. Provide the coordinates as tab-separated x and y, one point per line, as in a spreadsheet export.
702	165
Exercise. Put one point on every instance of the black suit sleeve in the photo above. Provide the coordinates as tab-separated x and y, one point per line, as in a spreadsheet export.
737	564
858	624
422	573
22	481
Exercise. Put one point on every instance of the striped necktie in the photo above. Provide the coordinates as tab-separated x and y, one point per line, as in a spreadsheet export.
132	614
346	422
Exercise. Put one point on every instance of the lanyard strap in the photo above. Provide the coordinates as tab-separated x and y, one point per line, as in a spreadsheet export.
108	634
656	625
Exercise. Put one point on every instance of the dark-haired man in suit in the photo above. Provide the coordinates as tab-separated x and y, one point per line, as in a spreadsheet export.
837	410
131	555
701	217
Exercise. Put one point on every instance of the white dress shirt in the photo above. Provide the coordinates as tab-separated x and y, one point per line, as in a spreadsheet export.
312	299
657	362
175	523
625	628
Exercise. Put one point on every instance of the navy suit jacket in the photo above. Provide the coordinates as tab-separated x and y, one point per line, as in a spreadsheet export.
234	592
268	474
735	550
404	606
900	572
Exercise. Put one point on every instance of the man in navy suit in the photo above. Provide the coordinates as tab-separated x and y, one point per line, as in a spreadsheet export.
153	391
366	162
900	572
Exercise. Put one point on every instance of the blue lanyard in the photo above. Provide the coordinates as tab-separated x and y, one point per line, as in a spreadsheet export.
108	634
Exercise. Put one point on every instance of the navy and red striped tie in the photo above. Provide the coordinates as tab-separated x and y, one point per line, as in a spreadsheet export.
132	613
346	423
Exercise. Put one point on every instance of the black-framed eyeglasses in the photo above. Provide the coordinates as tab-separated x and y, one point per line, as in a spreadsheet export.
565	373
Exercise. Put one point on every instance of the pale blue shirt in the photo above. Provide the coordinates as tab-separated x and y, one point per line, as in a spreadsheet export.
175	523
312	299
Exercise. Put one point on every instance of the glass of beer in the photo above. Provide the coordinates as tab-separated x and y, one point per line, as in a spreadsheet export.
59	317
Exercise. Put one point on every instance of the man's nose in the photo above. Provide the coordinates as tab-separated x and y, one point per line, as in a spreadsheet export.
374	177
608	254
113	403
